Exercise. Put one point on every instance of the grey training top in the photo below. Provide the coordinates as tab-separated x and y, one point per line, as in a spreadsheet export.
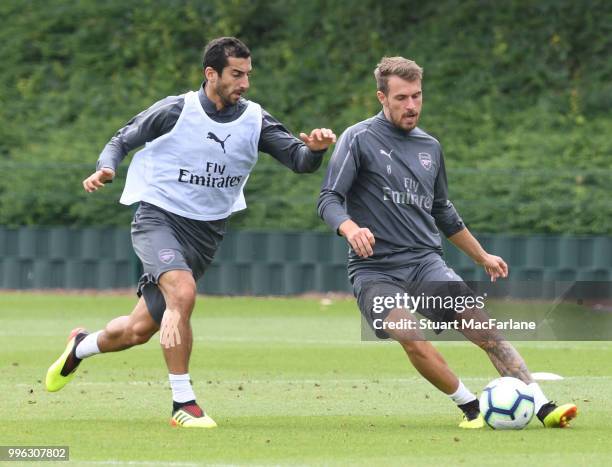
161	117
393	182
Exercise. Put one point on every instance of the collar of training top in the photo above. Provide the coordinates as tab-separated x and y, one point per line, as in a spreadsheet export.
211	109
382	119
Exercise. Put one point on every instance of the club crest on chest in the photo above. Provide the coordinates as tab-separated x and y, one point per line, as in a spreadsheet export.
425	160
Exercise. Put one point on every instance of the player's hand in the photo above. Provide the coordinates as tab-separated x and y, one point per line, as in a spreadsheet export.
361	239
319	139
495	267
98	179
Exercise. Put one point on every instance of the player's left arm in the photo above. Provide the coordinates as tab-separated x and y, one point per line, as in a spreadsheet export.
451	225
300	155
494	266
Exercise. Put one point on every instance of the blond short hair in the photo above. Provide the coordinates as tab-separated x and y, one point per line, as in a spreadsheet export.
396	66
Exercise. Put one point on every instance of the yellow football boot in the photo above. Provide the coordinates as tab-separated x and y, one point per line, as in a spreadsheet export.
191	416
557	417
64	368
477	422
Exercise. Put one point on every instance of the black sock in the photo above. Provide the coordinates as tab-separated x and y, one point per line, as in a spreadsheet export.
177	405
545	410
470	409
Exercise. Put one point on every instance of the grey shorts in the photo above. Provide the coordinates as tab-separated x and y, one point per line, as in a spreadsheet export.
429	278
166	242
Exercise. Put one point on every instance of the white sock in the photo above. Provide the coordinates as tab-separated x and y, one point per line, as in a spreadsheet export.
88	346
538	396
181	388
462	395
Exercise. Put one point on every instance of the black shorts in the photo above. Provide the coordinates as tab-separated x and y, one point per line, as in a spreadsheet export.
165	242
430	278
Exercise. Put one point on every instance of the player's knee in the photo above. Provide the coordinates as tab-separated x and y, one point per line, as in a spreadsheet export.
416	348
488	342
484	345
116	328
179	288
140	334
184	295
140	338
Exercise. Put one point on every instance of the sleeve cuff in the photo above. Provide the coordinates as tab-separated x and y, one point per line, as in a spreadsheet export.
101	164
451	230
336	223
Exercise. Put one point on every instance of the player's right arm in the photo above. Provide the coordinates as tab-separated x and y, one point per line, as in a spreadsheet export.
152	123
361	239
342	172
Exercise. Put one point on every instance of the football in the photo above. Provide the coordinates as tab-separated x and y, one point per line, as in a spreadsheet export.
507	404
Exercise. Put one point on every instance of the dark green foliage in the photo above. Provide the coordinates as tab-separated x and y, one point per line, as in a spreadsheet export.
519	93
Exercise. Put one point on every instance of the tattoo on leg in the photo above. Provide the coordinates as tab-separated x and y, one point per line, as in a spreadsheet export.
507	360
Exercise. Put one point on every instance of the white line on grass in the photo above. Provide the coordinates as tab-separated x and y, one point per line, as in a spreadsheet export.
301	381
591	345
117	462
604	345
277	340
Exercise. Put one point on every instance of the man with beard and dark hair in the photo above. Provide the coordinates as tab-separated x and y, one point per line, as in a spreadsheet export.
188	179
386	192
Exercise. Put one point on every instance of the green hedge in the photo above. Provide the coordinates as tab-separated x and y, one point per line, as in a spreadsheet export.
517	92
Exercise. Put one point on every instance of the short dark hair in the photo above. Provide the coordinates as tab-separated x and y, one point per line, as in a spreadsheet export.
217	51
396	66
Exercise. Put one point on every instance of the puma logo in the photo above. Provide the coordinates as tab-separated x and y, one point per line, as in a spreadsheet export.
214	137
388	154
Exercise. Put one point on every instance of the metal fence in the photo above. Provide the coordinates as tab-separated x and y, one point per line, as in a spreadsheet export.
269	263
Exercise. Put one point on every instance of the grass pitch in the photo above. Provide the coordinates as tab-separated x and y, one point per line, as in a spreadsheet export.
288	381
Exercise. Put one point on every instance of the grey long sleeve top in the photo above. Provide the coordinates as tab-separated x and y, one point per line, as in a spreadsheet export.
161	117
393	182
